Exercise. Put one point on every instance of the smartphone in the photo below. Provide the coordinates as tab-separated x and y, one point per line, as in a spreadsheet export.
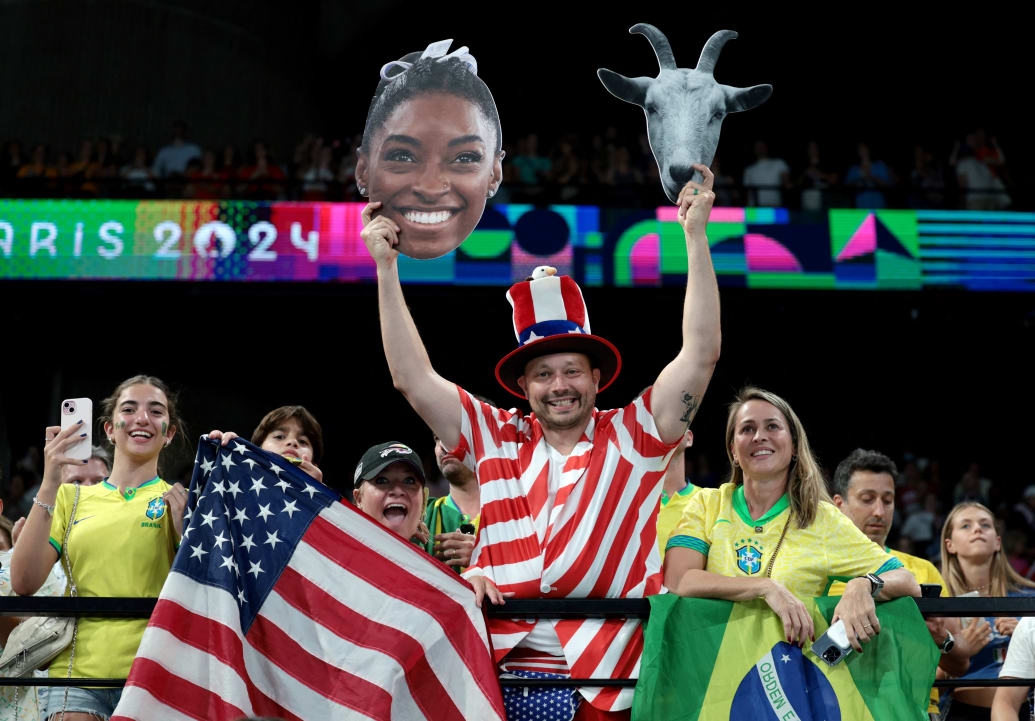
467	528
74	410
833	645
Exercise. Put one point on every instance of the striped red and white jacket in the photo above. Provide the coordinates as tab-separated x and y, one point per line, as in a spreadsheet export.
598	540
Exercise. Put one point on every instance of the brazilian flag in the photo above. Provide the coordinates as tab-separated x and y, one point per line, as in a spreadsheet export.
714	660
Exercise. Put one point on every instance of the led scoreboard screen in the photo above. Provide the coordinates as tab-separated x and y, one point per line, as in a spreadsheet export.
313	242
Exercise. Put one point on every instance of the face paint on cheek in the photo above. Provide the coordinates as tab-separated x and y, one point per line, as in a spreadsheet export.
119	425
165	426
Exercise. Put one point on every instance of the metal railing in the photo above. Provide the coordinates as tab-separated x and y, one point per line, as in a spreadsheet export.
556	608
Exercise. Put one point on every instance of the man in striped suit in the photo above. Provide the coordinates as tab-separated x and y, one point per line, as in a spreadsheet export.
569	494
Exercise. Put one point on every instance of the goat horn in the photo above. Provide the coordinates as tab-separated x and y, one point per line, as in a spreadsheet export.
712	48
658	41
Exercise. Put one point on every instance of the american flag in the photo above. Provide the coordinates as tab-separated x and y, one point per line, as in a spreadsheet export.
283	601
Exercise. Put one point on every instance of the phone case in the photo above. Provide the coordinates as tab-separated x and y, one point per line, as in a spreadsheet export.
74	410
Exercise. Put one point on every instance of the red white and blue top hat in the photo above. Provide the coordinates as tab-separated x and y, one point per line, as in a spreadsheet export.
550	317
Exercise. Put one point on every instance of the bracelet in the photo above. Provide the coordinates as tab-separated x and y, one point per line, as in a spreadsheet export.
48	508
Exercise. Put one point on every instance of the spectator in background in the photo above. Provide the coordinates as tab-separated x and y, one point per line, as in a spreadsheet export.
346	173
926	181
982	189
37	167
863	488
565	170
1022	515
462	505
974	564
765	177
21	703
259	173
204	178
138	175
973	487
10	163
871	177
172	159
531	167
815	180
228	170
921	525
317	173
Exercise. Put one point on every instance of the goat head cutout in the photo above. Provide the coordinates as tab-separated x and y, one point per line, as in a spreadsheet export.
684	108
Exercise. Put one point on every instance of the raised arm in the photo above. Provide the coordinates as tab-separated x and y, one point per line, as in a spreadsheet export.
431	395
680	386
33	555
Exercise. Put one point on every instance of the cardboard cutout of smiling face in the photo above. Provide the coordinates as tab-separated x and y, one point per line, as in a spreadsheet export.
684	108
431	152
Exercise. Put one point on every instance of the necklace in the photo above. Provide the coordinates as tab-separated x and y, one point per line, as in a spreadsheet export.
977	589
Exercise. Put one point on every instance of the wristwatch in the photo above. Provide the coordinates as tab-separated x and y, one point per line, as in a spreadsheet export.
948	644
876	583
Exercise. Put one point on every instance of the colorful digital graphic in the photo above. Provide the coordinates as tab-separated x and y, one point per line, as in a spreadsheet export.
432	149
320	242
684	108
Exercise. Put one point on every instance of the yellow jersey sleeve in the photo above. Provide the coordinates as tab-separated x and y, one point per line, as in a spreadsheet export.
694	526
62	511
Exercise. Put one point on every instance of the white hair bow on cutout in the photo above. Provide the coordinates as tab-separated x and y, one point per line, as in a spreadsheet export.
435	50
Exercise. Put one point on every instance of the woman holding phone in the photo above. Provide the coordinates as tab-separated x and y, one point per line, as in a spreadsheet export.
124	534
772	532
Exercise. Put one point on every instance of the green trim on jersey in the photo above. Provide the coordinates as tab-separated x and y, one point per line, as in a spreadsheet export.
684	491
130	492
694	544
741	507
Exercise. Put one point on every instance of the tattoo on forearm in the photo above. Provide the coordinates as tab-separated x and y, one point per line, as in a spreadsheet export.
691	407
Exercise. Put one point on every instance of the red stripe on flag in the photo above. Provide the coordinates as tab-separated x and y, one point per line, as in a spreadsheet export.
179	694
342	687
520	296
620	541
375	569
326	610
574	305
216	640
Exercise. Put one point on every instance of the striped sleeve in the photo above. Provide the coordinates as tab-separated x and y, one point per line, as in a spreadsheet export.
641	433
692	529
481	426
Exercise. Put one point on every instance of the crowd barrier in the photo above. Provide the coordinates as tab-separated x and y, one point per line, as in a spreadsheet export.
514	608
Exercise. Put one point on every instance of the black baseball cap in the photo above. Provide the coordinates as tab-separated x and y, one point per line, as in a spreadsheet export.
379	457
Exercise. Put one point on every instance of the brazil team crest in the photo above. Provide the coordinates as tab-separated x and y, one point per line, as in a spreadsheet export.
155	509
749	555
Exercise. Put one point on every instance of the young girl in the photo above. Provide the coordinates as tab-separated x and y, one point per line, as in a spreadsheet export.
124	535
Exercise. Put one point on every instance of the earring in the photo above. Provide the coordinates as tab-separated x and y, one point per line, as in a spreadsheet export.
111	440
362	190
492	192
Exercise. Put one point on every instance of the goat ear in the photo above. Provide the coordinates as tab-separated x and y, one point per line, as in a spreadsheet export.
738	99
631	90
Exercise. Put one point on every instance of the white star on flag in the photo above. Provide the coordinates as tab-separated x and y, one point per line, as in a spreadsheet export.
238	448
271	539
256	569
227	462
257	486
197	551
233	489
220	540
207	519
207	466
290	508
265	512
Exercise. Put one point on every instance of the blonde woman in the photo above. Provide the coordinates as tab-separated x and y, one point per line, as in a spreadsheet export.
771	532
973	563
